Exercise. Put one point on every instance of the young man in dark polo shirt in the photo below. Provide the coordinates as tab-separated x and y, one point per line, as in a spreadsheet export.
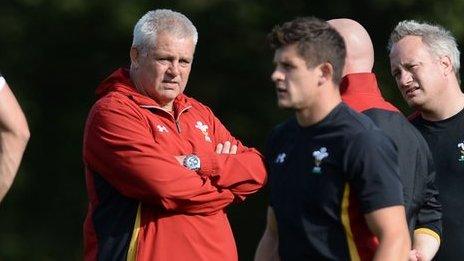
335	190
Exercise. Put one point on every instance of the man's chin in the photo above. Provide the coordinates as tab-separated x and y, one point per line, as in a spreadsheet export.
170	94
415	104
284	105
164	97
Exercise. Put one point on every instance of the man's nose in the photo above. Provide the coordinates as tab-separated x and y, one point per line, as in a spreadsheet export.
405	78
277	75
174	68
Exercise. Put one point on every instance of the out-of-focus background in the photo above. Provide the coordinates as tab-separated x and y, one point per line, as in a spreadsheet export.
53	53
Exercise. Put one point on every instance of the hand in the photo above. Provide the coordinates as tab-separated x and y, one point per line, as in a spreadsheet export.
415	255
226	148
180	159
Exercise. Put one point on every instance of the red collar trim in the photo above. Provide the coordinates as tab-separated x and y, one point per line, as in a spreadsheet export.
361	92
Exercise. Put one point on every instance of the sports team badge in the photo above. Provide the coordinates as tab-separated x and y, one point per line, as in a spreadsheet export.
319	155
161	128
461	150
204	129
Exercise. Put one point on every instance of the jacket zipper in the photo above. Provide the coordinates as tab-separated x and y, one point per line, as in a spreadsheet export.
176	120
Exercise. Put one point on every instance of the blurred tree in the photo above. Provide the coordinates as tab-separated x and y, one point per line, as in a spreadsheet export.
55	52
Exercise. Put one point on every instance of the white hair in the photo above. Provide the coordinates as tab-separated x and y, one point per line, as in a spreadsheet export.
439	41
162	20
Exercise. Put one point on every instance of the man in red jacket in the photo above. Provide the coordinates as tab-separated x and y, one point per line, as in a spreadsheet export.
160	167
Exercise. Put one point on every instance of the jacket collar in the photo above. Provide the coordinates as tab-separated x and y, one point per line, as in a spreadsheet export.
360	83
361	92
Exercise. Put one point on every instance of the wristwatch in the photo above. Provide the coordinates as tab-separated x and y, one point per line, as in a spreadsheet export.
192	162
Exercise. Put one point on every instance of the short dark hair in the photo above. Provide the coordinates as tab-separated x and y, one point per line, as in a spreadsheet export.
317	42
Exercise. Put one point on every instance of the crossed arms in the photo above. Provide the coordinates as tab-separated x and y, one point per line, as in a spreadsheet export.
119	146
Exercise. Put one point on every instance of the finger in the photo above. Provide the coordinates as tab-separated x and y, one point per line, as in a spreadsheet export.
233	149
180	159
226	149
219	148
412	255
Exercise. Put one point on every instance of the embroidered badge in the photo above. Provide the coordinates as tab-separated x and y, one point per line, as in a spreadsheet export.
461	150
319	155
204	129
161	128
280	158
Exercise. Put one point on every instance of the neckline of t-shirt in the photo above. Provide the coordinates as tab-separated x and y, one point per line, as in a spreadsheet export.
441	124
322	123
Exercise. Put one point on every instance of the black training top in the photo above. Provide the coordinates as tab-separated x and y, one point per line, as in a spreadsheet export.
324	178
361	92
446	141
417	173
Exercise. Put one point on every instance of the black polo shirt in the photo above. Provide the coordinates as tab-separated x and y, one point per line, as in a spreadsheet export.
417	172
446	141
324	178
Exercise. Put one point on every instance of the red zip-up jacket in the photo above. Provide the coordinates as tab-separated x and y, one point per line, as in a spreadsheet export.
144	205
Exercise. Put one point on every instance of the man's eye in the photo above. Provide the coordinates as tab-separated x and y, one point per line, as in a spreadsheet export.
162	60
286	66
184	62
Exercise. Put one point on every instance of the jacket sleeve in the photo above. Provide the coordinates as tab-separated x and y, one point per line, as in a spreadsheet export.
119	146
243	173
429	218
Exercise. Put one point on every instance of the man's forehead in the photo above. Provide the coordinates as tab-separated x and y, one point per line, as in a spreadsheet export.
409	42
409	47
286	52
178	45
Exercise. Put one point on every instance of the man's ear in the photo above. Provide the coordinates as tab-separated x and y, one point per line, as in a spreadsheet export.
325	73
446	65
134	56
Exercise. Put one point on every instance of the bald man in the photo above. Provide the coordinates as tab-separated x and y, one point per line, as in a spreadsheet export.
360	91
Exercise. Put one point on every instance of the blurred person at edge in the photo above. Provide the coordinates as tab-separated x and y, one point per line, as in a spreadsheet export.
361	92
14	135
160	167
424	60
335	191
